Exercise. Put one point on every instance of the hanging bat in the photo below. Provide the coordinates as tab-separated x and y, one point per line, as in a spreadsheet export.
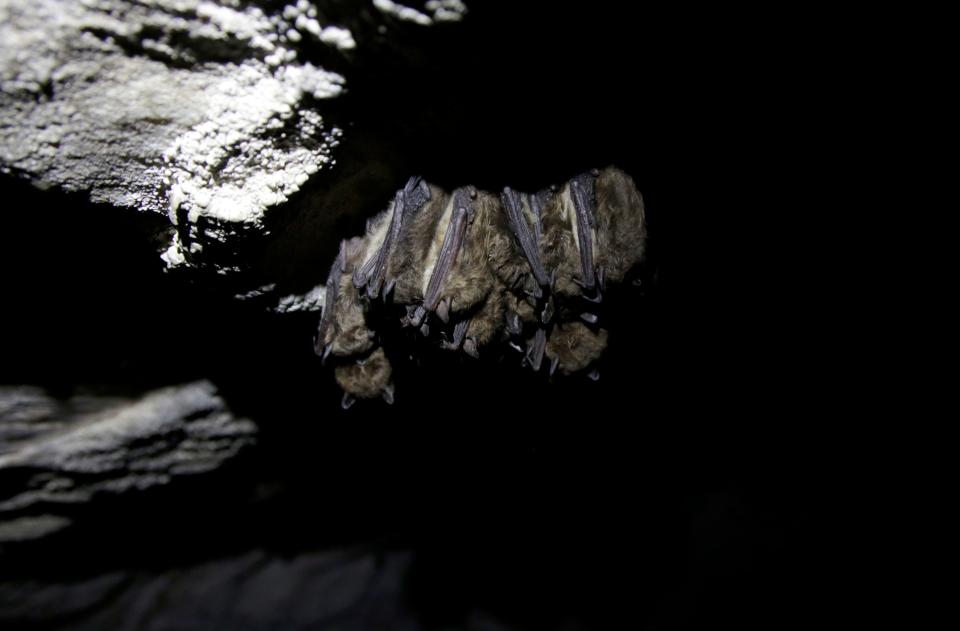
343	329
372	274
582	195
572	347
365	378
526	235
522	270
458	219
621	225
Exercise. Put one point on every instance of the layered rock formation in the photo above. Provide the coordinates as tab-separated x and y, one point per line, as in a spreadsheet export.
211	113
56	455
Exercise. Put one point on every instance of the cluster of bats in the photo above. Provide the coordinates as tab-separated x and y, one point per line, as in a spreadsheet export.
470	271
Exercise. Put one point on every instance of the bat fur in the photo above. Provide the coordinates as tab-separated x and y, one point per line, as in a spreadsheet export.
472	270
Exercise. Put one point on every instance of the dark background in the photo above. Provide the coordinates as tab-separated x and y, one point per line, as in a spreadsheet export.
691	487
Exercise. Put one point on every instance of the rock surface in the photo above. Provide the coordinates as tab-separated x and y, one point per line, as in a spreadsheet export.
675	492
207	112
256	590
57	455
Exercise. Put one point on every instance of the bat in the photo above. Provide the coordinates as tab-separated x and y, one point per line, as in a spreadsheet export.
573	347
462	214
372	274
518	270
527	238
621	226
582	195
366	377
321	344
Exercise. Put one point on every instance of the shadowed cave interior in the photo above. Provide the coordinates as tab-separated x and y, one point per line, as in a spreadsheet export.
679	491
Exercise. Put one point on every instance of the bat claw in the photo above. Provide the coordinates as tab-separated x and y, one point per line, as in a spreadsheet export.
373	289
359	280
547	314
388	291
536	348
443	310
425	330
417	316
594	375
459	331
470	348
387	394
347	401
515	347
595	299
589	318
601	278
407	320
513	323
326	353
554	363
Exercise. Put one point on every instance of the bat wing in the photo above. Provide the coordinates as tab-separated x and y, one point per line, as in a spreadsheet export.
527	238
453	241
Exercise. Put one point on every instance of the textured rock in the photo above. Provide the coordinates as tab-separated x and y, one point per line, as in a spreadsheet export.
206	112
310	301
256	590
430	12
55	455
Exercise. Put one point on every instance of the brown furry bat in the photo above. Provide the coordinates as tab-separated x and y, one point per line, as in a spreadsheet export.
343	329
460	278
405	266
524	270
561	251
366	378
621	227
572	347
